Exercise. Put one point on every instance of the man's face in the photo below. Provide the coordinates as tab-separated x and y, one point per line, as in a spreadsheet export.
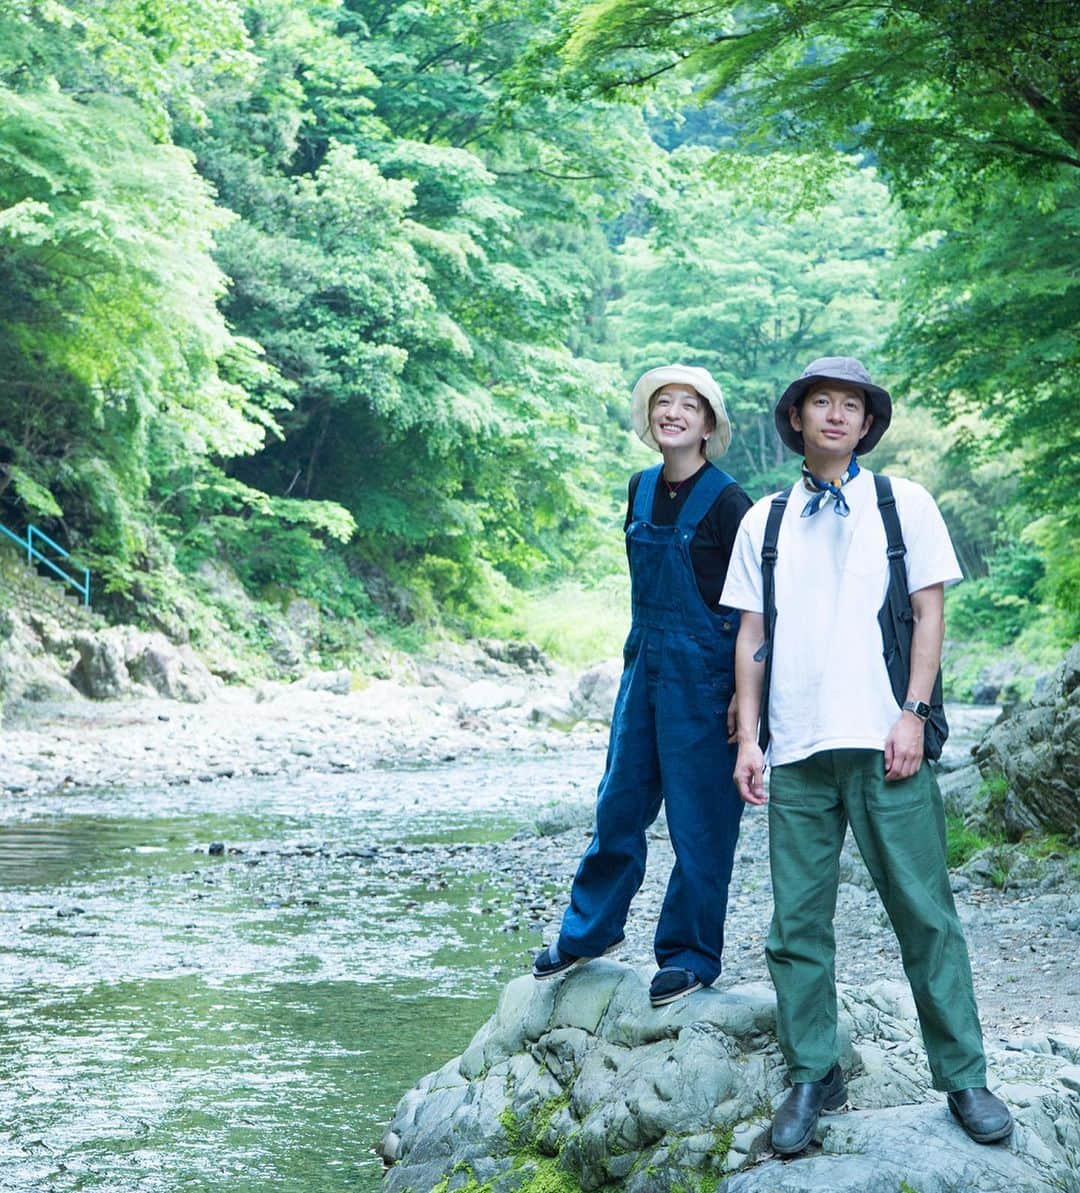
831	418
679	416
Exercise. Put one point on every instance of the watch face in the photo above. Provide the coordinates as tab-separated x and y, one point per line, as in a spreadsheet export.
919	707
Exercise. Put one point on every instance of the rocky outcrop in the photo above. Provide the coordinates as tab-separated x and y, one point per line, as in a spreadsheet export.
1029	763
591	700
40	660
522	656
29	669
580	1084
122	660
54	649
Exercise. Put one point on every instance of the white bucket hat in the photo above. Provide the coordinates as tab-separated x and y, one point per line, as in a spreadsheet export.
699	379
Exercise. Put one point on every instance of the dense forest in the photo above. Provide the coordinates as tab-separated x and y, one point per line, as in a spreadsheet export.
345	296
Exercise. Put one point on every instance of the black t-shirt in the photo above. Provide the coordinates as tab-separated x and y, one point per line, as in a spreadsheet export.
710	548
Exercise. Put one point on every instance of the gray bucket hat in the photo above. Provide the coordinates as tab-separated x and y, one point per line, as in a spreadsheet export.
835	368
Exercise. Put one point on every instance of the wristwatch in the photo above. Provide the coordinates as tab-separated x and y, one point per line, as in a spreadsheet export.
919	707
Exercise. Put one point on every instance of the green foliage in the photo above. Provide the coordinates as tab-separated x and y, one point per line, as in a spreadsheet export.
1056	537
999	606
510	1124
573	622
537	1172
962	843
987	333
932	96
725	1137
416	271
719	282
108	325
351	293
973	124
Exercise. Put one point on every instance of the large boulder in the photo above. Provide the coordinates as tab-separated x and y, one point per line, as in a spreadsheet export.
32	652
593	698
590	701
1030	761
175	672
123	661
521	656
101	671
582	1084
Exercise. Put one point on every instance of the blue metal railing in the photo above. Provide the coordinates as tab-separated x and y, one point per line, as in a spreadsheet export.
32	553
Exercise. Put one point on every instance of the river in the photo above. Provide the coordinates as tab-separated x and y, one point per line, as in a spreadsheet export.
176	1019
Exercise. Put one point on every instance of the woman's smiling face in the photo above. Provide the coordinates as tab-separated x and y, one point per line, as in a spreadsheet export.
679	416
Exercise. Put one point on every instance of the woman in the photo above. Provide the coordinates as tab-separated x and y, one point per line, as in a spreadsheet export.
673	723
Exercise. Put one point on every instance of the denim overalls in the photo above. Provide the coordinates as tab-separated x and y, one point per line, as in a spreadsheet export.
668	742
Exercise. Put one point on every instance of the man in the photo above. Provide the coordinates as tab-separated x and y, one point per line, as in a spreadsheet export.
843	750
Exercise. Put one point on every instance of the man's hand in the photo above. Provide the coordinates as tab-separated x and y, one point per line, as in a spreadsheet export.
750	773
904	747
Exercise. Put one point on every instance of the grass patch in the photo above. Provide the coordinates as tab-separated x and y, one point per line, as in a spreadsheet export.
524	1138
1052	845
574	623
724	1139
962	843
548	1177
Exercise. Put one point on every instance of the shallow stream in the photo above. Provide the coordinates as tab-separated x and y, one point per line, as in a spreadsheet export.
172	1019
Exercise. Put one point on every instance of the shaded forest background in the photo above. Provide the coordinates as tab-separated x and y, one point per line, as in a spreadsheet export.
342	298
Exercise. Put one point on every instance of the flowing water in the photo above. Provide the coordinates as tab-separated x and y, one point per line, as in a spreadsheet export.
176	1020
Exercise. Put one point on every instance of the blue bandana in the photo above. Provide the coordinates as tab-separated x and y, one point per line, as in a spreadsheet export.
825	488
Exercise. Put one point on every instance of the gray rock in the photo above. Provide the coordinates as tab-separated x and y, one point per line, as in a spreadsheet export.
174	672
101	672
968	724
593	698
1030	761
304	620
488	695
1065	1041
561	817
122	661
590	701
338	682
555	712
985	691
959	788
525	656
583	1078
852	868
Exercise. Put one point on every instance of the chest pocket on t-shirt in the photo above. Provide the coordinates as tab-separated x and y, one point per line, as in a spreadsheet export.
866	557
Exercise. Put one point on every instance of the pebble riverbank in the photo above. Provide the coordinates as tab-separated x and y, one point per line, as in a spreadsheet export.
1023	937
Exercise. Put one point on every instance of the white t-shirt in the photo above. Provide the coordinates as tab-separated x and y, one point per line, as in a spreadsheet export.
829	688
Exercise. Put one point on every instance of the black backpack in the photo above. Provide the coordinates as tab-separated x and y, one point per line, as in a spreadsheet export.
894	617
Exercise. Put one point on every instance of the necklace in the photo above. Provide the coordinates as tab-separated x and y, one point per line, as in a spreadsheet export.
673	487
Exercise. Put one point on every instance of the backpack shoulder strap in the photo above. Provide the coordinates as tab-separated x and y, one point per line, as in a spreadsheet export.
768	601
887	505
897	623
772	526
897	594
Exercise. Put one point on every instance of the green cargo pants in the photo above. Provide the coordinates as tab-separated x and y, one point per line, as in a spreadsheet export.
900	830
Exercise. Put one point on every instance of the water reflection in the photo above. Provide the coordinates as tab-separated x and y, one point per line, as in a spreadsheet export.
171	1020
